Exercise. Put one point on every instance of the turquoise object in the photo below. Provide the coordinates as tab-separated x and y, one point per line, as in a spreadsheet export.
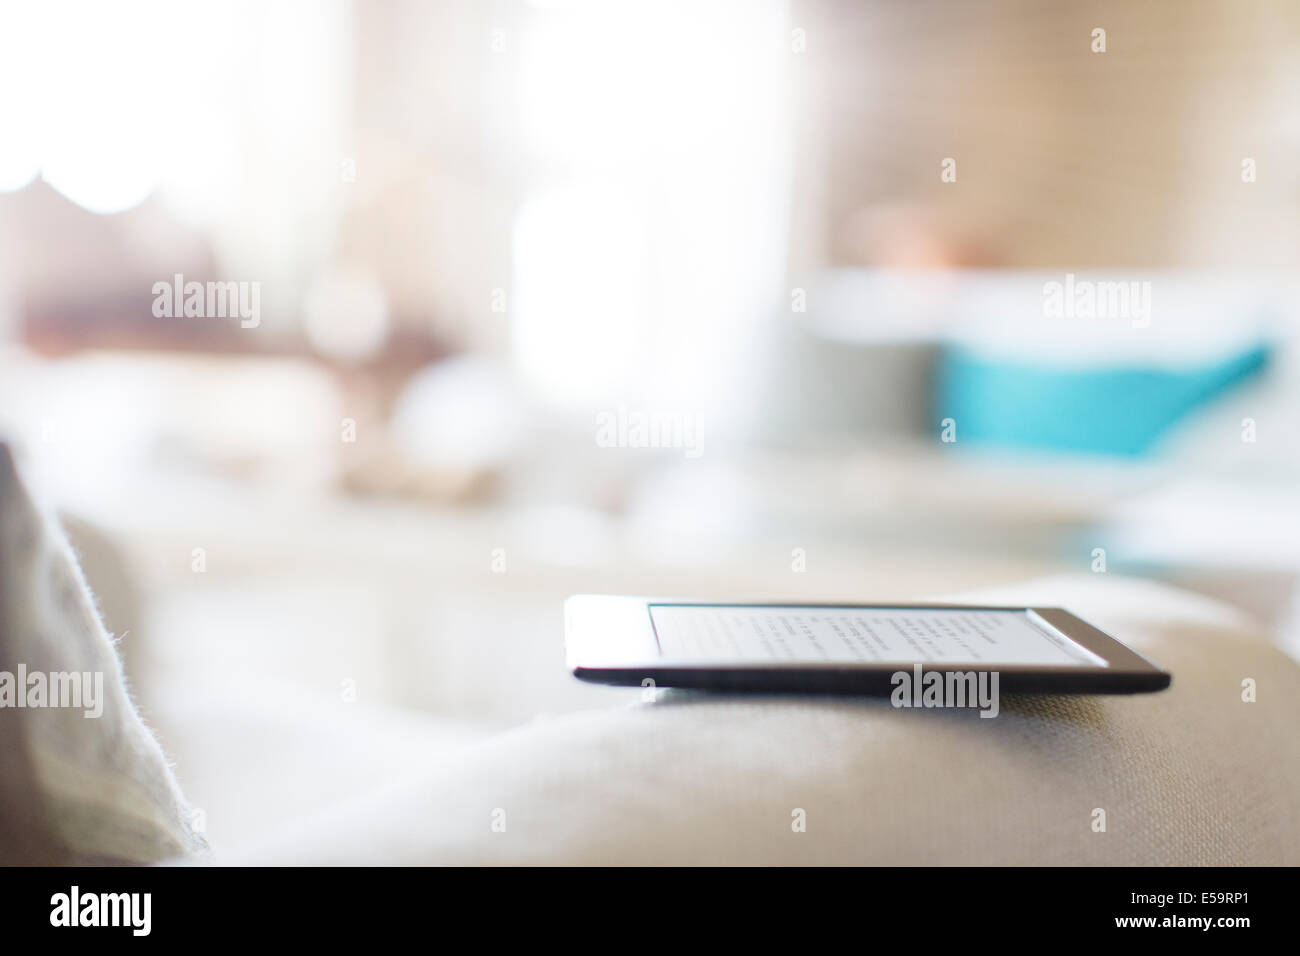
1120	410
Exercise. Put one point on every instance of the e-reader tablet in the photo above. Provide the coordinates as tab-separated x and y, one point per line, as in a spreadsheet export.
843	648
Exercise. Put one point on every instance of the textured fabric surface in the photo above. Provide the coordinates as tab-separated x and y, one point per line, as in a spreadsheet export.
1191	775
73	789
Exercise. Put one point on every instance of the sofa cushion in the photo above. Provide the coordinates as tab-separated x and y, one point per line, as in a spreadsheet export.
1191	775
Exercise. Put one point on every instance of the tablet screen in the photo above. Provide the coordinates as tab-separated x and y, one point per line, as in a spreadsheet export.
719	633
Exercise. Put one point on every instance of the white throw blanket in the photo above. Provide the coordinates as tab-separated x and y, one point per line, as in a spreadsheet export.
76	786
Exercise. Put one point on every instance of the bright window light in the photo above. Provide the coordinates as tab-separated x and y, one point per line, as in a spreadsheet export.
656	137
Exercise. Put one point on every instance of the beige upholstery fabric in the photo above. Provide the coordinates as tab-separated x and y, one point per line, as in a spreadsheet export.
73	789
1192	775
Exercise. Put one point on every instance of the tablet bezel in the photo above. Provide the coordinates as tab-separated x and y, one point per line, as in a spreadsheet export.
610	639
